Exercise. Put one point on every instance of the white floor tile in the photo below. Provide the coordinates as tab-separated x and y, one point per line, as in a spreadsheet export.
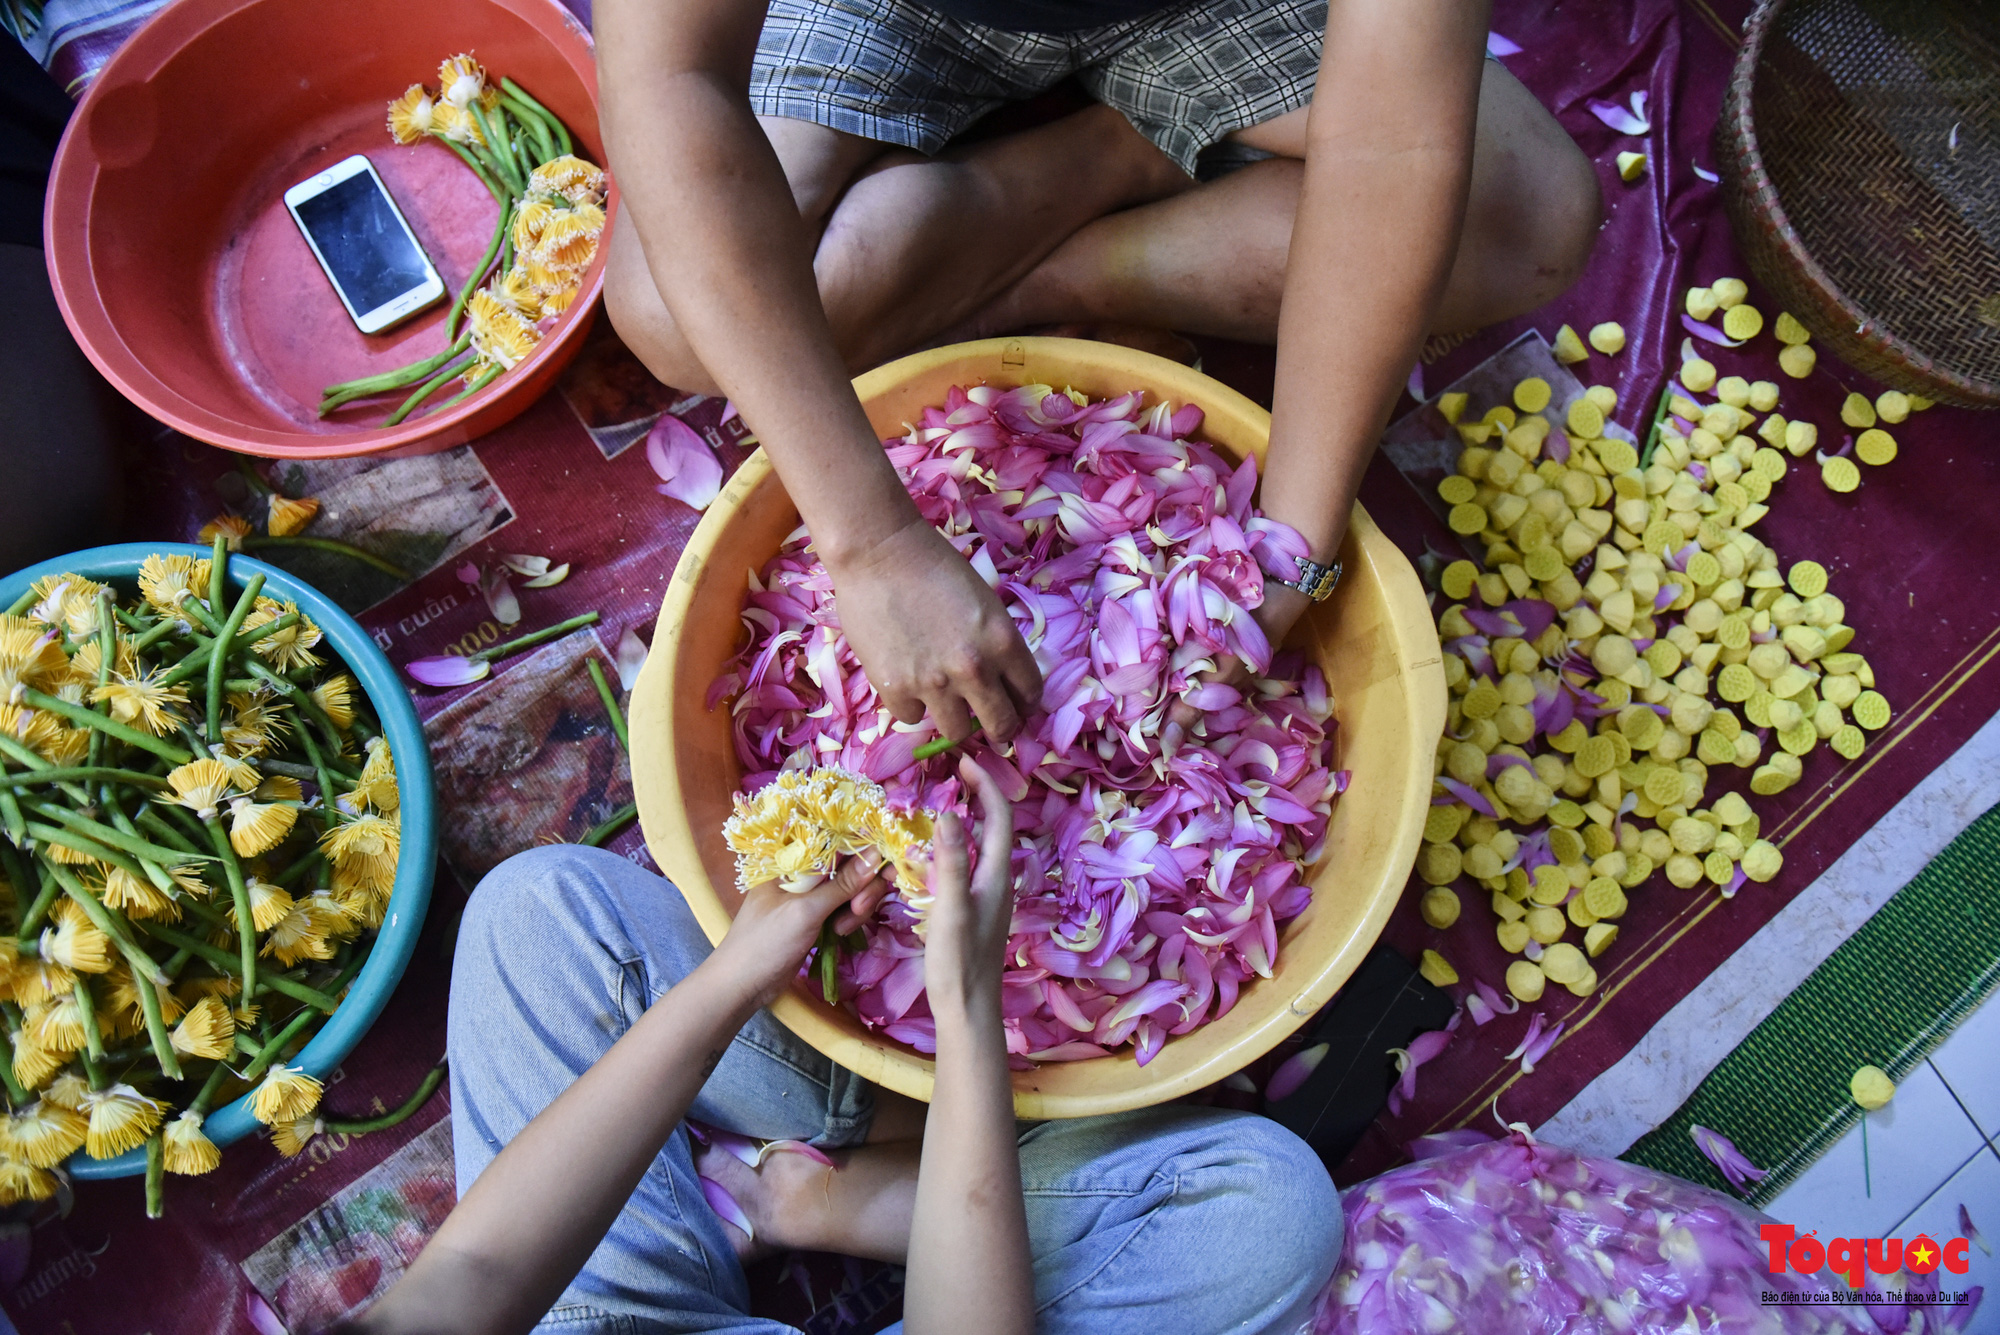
1977	1187
1969	1061
1914	1145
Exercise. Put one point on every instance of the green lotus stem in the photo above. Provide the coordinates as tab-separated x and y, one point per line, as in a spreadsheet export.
86	1009
222	960
218	662
258	542
107	651
152	635
210	1087
90	718
533	638
112	924
15	868
425	1088
618	728
45	899
197	658
609	827
303	865
156	1028
119	839
90	848
17	1097
154	872
472	280
22	604
936	746
486	377
479	168
349	390
166	830
218	573
300	700
424	391
494	132
533	121
329	814
11	819
156	1174
1653	432
239	894
554	121
827	962
272	1050
84	774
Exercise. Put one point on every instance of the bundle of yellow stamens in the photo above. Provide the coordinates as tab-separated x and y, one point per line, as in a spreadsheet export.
195	845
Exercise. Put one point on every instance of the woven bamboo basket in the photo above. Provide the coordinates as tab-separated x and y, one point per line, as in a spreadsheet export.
1860	154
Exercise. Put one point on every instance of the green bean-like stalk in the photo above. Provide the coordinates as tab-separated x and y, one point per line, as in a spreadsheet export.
397	1116
217	661
239	894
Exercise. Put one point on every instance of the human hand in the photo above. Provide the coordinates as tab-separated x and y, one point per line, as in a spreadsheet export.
930	634
774	927
965	939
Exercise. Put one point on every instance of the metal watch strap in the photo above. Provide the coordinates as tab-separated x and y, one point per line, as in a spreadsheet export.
1315	581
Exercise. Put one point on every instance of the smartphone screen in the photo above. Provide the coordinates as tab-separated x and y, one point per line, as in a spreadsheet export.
363	242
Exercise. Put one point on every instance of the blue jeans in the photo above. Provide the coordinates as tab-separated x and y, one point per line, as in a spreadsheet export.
1164	1221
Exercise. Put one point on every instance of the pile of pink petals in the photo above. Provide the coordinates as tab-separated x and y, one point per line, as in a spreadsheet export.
1519	1236
1148	887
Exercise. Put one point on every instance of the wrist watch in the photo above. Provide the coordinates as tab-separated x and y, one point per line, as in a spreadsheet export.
1315	581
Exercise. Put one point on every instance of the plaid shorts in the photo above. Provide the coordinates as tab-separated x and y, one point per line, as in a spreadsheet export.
899	73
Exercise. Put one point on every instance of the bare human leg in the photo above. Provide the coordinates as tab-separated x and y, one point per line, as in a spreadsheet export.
911	245
1212	260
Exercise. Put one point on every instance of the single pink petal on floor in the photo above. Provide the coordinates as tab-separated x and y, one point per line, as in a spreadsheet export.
726	1208
1617	117
1416	382
261	1316
1731	1162
1967	1229
1497	46
1293	1072
685	464
1537	1042
1705	174
528	567
447	670
1709	333
499	595
631	657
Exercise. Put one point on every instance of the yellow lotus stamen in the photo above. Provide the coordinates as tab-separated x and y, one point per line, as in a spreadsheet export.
232	529
291	1137
410	115
794	828
137	897
519	294
268	903
68	601
542	278
529	220
299	935
168	581
123	994
201	785
192	990
20	1181
285	1094
78	947
279	788
120	1119
10	949
286	649
44	1133
364	907
499	335
56	1024
257	827
335	698
570	238
456	124
571	177
369	845
290	516
66	1091
30	657
460	79
187	1148
36	981
555	303
47	735
377	784
83	667
206	1031
142	701
34	1063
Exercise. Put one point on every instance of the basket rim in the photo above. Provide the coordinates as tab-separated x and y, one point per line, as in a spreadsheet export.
1760	196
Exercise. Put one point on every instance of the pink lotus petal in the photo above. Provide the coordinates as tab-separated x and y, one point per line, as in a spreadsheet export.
686	466
726	1208
549	578
1617	117
1423	1048
1497	46
1446	1142
528	567
1500	1004
1705	174
1731	1162
499	595
631	657
448	670
1708	332
1966	1229
468	573
728	412
1735	882
1292	1072
1536	1044
260	1315
1469	795
1415	385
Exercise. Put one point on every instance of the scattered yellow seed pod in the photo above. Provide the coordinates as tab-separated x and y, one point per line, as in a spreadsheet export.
1439	864
1585	419
1436	969
1763	395
1742	322
1532	394
1733	390
1482	701
1526	981
1445	822
1848	742
1892	406
1719	867
1762	860
1807	578
1617	456
1800	437
1512	936
1698	374
1857	411
1789	331
1608	338
1799	739
1918	403
1457	489
1508	910
1736	683
1663	787
1564	963
1451	406
1729	291
1501	415
1870	1085
1546	924
1551	885
1797	360
1440	906
1457	579
1768	464
1871	711
1875	446
1701	302
1598	938
1840	474
1604	897
1631	166
1467	519
1569	349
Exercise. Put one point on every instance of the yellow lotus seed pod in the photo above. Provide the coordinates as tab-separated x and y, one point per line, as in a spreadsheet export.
1857	411
1800	437
1871	711
1598	938
1451	406
1840	474
1733	390
1457	579
1444	823
1849	742
1436	969
1790	331
1631	166
1684	870
1439	864
1569	349
1742	322
1701	302
1467	519
1512	936
1698	374
1526	981
1762	860
1440	907
1729	291
1546	924
1564	963
1875	446
1585	420
1763	395
1870	1085
1608	338
1532	394
1797	360
1808	579
1892	406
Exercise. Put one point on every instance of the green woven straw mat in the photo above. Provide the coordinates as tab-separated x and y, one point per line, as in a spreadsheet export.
1887	996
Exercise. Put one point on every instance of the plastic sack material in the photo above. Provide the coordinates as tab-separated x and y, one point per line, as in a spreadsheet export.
1484	1235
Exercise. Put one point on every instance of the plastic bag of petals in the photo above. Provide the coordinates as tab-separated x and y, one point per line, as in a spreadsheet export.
1519	1236
1149	887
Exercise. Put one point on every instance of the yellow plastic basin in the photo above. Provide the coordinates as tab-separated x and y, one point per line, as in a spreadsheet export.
1374	639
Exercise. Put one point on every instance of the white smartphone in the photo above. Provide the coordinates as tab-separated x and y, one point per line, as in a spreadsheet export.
361	240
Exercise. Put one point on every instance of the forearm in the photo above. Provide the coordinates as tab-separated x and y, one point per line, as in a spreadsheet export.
531	1220
1388	164
732	259
970	1272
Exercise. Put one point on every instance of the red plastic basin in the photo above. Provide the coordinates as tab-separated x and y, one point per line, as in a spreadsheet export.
181	273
